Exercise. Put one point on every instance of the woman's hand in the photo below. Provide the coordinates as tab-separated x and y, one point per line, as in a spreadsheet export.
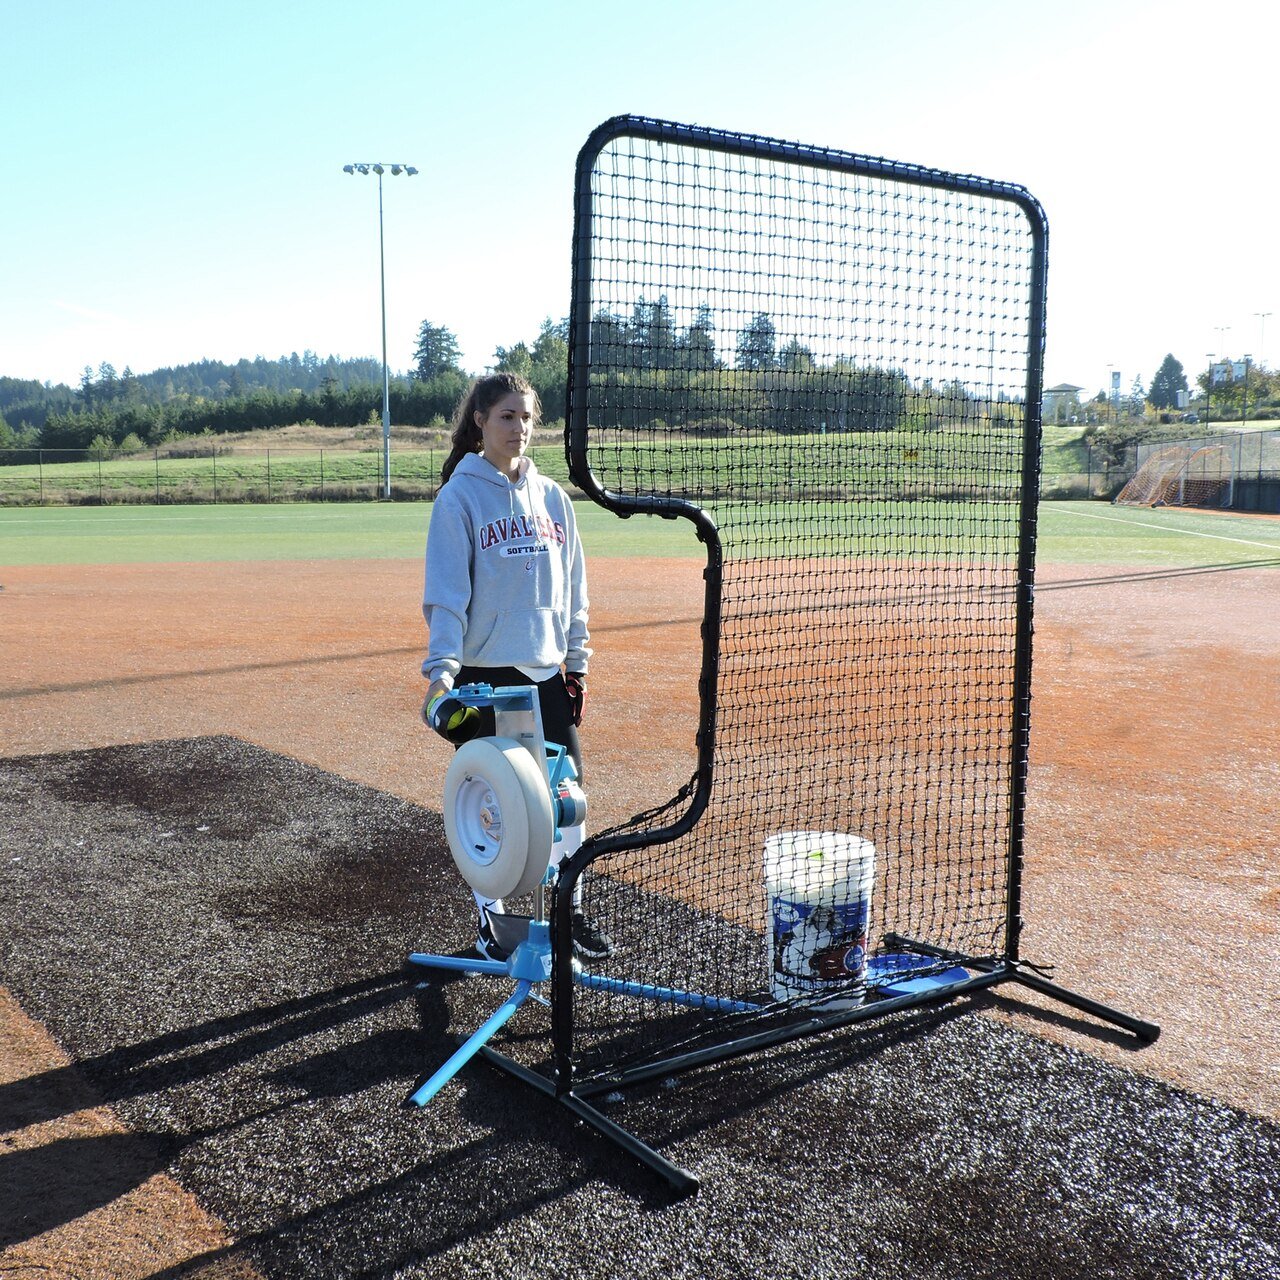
442	713
575	684
435	689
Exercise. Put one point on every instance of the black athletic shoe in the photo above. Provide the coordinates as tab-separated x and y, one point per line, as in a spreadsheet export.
589	943
488	946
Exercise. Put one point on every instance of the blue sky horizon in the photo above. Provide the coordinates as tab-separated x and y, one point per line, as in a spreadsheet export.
175	189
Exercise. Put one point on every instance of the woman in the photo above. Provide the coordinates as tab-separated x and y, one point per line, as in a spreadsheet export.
506	592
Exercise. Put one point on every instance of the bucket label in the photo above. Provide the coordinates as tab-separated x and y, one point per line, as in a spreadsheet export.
818	947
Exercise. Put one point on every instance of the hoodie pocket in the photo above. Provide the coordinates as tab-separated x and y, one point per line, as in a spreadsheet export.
523	637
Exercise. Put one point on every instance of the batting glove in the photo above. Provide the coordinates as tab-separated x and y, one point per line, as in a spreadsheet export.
454	721
575	684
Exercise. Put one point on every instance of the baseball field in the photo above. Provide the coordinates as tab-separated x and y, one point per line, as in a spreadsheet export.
221	834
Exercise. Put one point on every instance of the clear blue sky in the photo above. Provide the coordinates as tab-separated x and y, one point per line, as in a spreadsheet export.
173	185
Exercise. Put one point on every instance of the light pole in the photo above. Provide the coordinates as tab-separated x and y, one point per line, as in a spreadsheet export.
396	169
1220	330
1262	338
1208	389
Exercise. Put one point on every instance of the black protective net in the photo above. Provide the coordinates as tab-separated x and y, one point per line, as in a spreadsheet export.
832	358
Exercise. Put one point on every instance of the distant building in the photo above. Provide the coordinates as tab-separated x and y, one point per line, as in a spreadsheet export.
1061	403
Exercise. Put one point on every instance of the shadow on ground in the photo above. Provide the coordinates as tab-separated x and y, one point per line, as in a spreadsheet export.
214	934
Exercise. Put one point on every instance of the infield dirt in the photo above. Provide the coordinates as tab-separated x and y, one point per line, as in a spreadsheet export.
1154	800
1154	797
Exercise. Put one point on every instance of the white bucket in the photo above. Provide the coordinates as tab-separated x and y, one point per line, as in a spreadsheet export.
819	888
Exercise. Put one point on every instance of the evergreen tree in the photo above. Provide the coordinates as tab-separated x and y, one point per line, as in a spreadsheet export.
609	335
796	357
329	400
758	344
698	346
1136	397
550	373
436	353
517	359
1169	380
552	346
654	333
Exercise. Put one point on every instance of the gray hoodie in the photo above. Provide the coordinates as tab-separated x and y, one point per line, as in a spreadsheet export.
506	582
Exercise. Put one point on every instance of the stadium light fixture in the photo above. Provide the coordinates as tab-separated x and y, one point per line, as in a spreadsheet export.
379	169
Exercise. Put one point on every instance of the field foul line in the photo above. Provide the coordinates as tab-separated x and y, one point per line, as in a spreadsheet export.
1168	528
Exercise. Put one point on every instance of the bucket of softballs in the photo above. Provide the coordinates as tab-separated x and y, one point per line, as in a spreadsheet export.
819	886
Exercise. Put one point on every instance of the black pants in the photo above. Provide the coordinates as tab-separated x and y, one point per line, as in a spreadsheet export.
553	700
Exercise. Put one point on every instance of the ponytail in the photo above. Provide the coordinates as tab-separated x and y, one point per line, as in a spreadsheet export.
483	395
466	434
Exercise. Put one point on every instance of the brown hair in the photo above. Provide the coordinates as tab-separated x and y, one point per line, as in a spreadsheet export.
484	394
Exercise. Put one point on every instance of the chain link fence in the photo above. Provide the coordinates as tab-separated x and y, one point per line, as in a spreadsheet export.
230	474
76	477
1102	475
1245	466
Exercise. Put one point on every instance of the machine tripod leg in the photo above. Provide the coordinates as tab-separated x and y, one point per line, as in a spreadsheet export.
473	1044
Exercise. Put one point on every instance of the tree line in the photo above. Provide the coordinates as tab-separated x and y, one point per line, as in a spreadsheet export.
653	372
211	396
1229	388
25	402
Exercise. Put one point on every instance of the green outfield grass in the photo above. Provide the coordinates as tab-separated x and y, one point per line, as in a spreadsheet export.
282	531
1070	533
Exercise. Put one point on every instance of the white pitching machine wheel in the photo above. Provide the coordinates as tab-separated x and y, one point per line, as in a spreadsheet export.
497	815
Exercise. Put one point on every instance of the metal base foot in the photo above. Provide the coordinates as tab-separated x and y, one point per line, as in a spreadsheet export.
680	1180
1147	1032
1012	971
